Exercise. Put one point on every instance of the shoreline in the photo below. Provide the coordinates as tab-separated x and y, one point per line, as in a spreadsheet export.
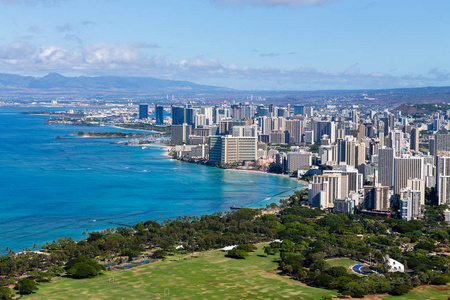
271	174
119	127
164	146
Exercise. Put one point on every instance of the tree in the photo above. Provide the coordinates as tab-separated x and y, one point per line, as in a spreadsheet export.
236	253
26	286
159	254
82	270
323	280
247	247
83	267
400	290
441	280
337	271
5	293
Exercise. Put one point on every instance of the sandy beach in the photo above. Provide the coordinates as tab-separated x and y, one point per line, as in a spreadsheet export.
271	174
164	146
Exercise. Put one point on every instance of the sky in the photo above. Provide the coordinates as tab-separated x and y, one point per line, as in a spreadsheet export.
241	44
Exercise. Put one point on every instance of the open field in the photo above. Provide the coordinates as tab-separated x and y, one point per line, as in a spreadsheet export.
341	262
429	292
208	276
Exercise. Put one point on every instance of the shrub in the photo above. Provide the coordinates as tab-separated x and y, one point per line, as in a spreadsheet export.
83	267
26	286
5	293
323	280
337	271
82	270
441	280
236	253
400	289
159	254
247	248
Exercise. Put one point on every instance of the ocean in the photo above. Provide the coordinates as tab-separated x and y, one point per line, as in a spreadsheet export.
52	188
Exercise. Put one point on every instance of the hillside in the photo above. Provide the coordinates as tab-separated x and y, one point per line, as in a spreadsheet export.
411	108
56	82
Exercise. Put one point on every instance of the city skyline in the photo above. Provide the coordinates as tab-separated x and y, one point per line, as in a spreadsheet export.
241	44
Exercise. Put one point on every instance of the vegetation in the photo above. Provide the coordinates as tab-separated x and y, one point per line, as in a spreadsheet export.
113	134
26	286
166	130
207	275
316	249
83	267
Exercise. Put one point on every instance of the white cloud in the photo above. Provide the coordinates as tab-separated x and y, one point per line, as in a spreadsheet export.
133	59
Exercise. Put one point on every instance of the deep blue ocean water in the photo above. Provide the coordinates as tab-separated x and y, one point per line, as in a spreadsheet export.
51	188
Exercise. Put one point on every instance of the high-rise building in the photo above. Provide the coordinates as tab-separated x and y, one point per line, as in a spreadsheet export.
323	195
414	141
406	168
386	167
299	161
178	115
143	111
443	179
208	112
180	133
417	185
159	114
295	129
299	110
229	149
442	142
328	128
416	207
190	116
396	138
376	198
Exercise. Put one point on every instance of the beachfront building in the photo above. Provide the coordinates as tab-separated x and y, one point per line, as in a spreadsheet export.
181	133
229	149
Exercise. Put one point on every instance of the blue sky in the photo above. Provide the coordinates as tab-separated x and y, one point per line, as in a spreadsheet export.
243	44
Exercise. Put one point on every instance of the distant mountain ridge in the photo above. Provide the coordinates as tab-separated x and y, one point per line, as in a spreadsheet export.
55	81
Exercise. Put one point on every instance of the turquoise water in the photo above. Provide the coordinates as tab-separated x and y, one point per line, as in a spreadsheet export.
51	188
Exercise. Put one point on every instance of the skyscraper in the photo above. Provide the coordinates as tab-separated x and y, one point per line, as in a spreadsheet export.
406	168
386	167
143	111
299	110
414	142
443	179
178	115
159	114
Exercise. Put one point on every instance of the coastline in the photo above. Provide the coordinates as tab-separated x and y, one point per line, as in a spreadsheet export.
119	127
271	174
164	146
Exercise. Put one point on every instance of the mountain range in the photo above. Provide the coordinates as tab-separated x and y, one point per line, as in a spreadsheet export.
57	82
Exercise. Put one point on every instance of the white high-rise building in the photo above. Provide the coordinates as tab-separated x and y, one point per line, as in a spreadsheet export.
443	179
414	209
406	168
208	112
323	195
396	141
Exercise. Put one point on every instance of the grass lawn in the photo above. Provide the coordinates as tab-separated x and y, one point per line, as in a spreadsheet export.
341	262
430	292
427	292
209	276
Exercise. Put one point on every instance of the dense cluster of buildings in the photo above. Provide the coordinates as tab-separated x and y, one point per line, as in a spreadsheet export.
376	161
